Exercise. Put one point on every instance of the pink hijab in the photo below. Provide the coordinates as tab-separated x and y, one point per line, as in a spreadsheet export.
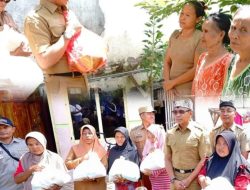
159	133
83	148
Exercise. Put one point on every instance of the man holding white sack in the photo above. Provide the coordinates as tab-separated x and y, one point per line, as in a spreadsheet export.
186	145
139	134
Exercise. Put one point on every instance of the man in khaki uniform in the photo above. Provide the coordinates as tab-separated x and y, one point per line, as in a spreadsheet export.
186	145
139	134
228	111
49	34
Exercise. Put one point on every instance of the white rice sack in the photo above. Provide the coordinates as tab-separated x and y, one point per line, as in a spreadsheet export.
91	168
219	183
48	177
11	39
124	168
153	161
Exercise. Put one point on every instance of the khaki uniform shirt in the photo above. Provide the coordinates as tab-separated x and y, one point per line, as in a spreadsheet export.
8	165
240	133
187	147
43	27
139	135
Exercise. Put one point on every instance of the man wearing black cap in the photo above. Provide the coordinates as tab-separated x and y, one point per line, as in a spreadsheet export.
227	115
11	150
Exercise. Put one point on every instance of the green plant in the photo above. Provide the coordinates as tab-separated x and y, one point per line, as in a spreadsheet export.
154	47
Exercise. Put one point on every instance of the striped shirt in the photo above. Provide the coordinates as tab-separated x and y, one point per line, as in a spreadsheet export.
160	180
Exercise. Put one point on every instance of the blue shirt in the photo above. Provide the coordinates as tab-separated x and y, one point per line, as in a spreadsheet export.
8	165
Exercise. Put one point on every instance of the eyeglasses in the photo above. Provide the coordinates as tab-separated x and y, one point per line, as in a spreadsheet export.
175	112
227	111
5	1
87	134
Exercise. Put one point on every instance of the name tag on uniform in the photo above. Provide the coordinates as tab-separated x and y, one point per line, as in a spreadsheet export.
138	137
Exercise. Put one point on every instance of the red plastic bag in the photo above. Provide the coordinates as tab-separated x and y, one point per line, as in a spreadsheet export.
242	180
86	51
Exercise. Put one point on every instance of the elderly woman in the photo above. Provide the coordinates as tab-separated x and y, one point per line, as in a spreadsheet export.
225	162
238	78
212	66
88	143
37	159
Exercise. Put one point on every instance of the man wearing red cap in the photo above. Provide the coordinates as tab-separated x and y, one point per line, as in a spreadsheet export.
11	150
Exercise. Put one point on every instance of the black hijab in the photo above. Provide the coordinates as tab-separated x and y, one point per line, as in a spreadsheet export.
226	166
127	149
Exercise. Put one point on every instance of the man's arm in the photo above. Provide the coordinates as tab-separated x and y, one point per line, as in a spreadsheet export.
52	54
48	54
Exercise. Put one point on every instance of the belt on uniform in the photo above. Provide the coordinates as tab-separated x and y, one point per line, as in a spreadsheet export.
183	171
69	74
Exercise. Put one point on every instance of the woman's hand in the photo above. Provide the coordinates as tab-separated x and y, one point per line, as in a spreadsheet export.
119	179
85	157
147	172
89	179
55	187
36	168
204	181
169	84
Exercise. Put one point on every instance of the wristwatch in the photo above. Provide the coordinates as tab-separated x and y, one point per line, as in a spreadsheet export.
68	34
173	179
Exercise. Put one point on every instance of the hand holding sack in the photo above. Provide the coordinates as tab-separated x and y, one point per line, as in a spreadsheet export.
91	168
153	161
49	177
86	51
125	169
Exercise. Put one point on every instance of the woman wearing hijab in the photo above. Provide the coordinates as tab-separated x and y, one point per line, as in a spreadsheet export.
88	143
224	162
36	160
155	140
125	148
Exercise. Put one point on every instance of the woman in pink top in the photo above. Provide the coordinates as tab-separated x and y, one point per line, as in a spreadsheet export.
155	140
212	65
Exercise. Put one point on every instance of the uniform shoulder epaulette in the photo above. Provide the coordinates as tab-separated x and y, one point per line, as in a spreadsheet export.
134	128
217	127
37	8
173	128
240	127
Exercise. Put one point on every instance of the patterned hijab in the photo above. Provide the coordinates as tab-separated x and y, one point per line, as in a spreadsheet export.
159	134
83	148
